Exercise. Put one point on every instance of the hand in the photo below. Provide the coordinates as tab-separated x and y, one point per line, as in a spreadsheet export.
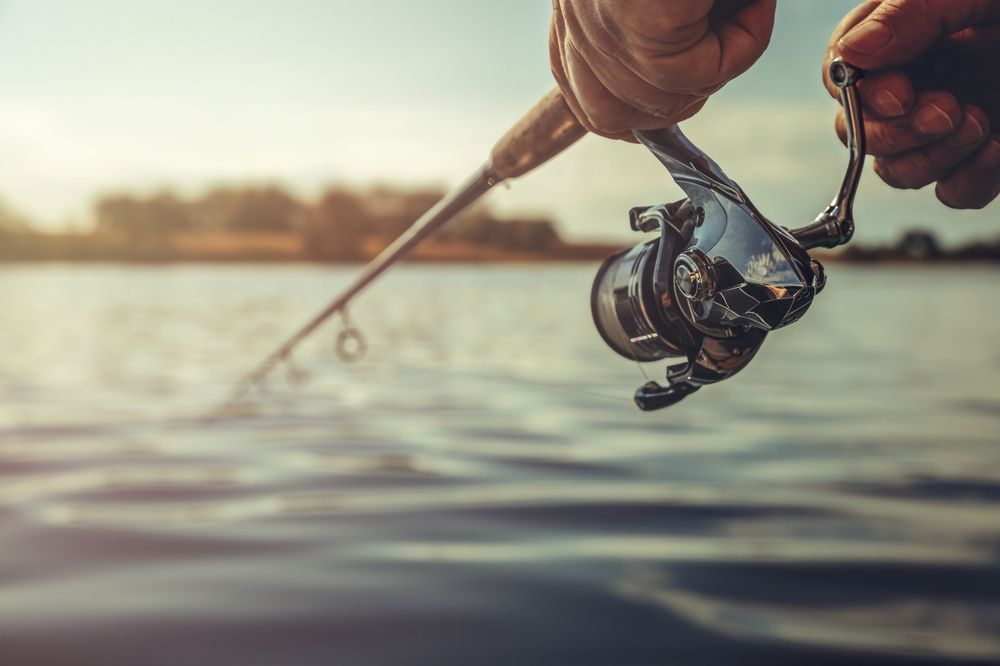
931	98
645	64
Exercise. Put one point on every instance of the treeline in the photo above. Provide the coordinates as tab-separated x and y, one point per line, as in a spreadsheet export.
919	245
270	223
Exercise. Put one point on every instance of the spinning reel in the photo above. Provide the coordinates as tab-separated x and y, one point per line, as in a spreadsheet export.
720	276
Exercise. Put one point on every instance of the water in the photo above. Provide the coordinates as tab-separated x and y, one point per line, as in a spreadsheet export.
481	490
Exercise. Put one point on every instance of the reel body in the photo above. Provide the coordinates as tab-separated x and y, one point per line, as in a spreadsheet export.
720	276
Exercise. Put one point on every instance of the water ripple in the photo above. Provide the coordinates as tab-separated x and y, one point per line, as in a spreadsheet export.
472	495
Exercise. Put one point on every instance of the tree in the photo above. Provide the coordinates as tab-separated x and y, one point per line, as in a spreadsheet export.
266	208
336	227
154	218
11	221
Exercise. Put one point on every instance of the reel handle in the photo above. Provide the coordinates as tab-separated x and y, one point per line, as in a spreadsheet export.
835	225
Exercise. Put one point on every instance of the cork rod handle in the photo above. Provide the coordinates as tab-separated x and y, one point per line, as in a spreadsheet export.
542	133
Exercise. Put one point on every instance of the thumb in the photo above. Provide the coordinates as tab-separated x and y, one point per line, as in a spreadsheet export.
897	31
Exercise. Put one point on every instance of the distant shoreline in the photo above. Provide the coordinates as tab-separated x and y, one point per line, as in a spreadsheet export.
827	260
284	248
267	225
273	247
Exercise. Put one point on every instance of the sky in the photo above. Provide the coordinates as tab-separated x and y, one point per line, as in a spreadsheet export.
104	95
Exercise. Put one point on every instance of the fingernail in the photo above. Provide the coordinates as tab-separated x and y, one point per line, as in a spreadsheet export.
868	38
969	133
931	120
887	104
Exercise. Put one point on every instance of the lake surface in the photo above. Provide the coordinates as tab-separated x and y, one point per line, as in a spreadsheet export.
481	489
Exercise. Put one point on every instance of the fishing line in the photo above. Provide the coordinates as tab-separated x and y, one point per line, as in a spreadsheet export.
642	370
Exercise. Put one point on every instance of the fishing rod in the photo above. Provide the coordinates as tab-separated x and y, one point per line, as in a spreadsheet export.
541	134
546	131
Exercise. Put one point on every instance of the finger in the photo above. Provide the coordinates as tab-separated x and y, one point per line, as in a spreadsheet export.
706	59
851	19
633	91
923	166
937	114
604	112
621	80
723	10
977	182
854	17
746	36
597	108
896	31
887	94
560	71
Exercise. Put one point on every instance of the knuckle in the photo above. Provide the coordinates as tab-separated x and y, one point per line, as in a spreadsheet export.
902	175
662	27
677	109
945	102
884	172
908	8
915	179
887	142
666	74
887	139
604	120
662	78
911	178
917	171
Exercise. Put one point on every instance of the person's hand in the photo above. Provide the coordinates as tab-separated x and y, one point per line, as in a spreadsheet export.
931	98
645	64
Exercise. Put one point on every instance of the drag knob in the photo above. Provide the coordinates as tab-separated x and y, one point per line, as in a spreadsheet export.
694	276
